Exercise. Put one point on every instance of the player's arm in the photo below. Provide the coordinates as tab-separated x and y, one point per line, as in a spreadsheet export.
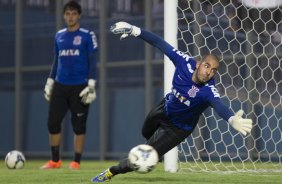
240	124
126	30
221	109
54	67
92	65
156	41
88	94
92	46
51	80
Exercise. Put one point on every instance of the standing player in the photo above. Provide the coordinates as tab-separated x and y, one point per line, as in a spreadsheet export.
71	84
193	90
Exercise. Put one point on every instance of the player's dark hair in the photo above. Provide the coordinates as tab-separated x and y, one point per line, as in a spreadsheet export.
212	56
72	5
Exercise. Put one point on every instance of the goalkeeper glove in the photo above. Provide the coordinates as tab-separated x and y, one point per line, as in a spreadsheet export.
88	94
125	30
243	126
48	88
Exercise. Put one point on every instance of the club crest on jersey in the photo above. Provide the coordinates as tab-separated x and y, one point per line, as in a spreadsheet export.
77	40
193	91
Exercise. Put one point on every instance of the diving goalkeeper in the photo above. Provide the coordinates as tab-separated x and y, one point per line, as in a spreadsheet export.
176	116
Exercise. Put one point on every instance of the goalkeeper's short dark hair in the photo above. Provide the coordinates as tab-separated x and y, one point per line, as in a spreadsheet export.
210	55
73	5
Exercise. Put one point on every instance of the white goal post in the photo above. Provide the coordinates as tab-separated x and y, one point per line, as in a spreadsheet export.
170	35
247	39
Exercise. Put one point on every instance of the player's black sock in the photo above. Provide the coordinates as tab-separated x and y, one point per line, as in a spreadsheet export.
121	168
55	153
77	157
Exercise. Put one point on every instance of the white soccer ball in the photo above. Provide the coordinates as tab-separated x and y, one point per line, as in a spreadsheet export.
15	160
143	158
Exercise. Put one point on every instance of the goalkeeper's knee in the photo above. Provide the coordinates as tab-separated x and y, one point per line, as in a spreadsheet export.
79	128
54	128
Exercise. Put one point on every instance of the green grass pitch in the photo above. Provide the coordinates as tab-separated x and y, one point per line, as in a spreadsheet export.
31	174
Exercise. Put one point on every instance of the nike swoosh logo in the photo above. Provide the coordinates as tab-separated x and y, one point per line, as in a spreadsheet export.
79	114
179	77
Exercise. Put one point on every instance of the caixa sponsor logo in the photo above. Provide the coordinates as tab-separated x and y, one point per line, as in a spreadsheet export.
69	52
182	99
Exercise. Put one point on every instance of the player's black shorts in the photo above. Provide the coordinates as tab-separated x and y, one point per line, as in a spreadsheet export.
64	98
160	132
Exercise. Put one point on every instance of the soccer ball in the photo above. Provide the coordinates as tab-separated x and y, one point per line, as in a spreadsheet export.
15	160
143	158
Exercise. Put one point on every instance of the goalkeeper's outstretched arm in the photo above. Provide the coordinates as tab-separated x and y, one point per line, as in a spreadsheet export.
156	41
242	125
126	30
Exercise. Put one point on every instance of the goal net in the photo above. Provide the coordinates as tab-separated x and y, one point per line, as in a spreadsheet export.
247	38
